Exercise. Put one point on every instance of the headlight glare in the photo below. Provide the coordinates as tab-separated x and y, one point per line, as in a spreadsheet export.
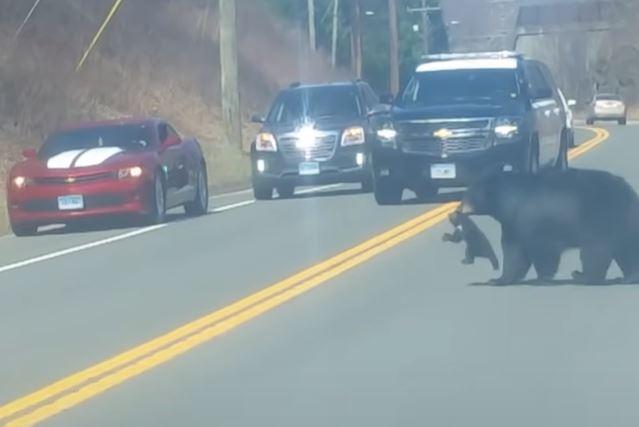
506	128
387	134
20	182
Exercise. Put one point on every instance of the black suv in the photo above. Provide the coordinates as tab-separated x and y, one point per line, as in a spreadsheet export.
461	114
314	134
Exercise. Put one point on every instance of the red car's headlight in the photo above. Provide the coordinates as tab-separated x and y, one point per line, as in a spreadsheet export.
134	172
20	182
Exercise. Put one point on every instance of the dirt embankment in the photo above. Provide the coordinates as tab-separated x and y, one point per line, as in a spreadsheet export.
157	57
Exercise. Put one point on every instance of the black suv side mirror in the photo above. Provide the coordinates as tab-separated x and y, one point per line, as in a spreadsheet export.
386	98
257	118
379	109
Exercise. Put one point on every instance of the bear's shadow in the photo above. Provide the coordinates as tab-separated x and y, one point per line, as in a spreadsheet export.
552	283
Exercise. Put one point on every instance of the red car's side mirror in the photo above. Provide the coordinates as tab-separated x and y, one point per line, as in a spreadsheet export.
29	153
170	142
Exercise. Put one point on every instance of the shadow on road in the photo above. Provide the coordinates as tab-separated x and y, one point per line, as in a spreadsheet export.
106	224
452	196
332	193
554	283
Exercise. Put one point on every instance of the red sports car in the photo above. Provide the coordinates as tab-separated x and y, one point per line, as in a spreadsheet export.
132	166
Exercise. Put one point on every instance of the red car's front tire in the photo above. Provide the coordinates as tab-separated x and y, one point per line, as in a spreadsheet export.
157	201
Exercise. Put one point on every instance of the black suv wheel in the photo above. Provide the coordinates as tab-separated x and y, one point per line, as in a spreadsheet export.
388	191
261	190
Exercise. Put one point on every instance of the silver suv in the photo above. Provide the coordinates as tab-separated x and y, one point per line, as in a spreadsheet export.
607	106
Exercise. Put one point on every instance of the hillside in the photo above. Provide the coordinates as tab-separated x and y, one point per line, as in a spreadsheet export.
157	57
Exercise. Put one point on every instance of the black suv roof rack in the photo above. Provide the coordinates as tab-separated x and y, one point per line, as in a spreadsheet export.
295	84
472	55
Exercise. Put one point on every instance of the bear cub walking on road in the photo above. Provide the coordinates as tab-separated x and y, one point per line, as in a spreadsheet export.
543	215
477	245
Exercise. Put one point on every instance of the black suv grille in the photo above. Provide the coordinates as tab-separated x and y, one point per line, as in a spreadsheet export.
323	149
463	136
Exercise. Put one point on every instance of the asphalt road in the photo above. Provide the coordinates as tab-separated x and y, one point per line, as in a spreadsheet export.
393	331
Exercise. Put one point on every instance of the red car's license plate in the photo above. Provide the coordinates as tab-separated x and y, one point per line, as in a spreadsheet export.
70	203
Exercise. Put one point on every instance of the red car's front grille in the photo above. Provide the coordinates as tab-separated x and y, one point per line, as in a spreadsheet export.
79	179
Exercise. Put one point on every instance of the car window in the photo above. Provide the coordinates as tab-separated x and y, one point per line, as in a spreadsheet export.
371	97
163	132
461	86
315	103
127	137
170	132
537	82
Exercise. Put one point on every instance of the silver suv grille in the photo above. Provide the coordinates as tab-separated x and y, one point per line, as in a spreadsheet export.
464	136
322	150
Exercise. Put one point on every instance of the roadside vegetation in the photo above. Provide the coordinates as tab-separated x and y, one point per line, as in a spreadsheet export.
158	57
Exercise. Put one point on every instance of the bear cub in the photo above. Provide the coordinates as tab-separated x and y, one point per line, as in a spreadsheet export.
477	245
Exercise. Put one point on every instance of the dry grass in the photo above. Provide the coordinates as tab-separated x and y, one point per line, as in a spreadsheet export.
158	57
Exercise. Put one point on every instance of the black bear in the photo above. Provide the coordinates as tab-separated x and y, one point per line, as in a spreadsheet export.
477	245
543	215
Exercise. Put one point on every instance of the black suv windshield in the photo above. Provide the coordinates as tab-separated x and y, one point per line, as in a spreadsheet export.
128	137
460	86
315	103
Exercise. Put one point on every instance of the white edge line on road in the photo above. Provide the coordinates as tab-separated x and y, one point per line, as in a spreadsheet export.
134	233
232	206
231	194
80	248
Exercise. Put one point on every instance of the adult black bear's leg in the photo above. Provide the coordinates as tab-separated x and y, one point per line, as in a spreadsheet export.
627	258
546	261
595	261
516	259
470	258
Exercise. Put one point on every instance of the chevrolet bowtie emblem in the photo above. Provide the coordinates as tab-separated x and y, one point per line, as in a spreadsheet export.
443	133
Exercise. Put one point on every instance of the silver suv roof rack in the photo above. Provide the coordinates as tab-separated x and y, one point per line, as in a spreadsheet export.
472	55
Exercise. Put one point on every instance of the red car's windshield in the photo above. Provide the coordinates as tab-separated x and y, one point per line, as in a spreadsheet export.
136	137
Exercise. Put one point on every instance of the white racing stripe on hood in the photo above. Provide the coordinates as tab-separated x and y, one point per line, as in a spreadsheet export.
63	160
96	156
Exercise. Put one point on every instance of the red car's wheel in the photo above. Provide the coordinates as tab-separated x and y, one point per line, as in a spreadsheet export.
157	201
200	205
21	230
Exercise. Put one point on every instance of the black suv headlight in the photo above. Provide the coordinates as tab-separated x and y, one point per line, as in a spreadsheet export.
353	136
387	135
265	141
507	128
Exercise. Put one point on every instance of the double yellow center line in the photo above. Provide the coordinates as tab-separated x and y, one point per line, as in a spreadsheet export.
79	387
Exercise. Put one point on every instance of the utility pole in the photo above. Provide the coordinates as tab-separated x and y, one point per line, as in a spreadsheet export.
311	25
334	42
394	46
229	83
425	27
356	37
425	9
